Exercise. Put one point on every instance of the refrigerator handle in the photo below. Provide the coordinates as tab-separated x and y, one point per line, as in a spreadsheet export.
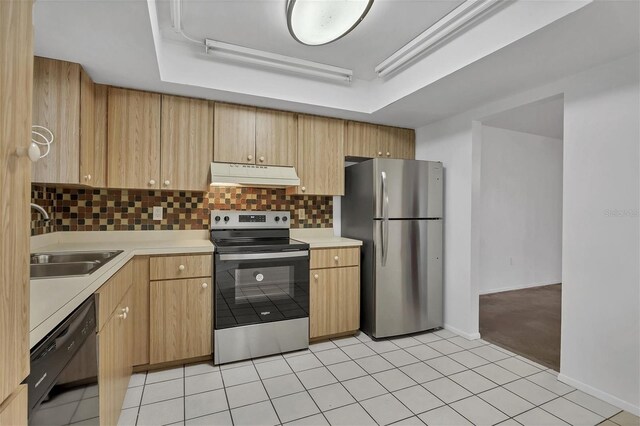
385	217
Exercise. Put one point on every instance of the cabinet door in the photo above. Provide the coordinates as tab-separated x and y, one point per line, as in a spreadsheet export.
93	132
334	301
16	82
133	143
320	156
56	105
180	320
140	310
114	369
187	143
406	144
276	138
234	139
14	410
361	140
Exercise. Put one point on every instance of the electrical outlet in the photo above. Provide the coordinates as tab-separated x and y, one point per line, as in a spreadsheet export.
158	213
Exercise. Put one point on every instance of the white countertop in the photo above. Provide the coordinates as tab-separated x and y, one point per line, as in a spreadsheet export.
322	238
53	299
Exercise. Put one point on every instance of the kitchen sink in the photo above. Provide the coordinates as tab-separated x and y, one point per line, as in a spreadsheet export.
69	264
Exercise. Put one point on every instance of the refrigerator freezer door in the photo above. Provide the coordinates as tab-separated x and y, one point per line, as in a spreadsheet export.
408	283
414	188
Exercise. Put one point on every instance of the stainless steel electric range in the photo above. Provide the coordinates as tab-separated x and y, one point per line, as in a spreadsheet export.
261	280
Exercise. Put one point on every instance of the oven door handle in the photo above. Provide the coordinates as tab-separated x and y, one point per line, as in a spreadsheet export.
277	255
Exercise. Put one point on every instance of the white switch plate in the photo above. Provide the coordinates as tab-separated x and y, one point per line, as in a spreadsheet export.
158	213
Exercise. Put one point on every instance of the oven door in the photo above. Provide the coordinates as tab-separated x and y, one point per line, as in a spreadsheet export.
256	288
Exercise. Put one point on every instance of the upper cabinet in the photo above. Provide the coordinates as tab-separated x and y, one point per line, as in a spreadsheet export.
93	132
254	136
133	142
320	156
370	141
56	106
187	143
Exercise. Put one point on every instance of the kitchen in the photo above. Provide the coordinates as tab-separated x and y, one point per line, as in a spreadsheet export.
225	259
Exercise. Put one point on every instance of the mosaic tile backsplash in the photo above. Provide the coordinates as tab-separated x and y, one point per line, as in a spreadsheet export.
86	209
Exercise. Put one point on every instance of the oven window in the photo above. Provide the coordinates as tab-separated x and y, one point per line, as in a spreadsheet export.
253	292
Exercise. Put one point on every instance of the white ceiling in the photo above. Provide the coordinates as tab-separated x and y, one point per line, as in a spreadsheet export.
389	25
525	44
544	118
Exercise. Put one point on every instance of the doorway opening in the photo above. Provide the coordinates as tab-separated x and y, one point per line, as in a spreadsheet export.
520	230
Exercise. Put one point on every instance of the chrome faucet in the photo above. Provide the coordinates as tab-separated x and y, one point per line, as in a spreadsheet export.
42	211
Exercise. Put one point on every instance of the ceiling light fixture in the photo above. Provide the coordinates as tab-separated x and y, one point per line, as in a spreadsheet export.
318	22
446	26
280	62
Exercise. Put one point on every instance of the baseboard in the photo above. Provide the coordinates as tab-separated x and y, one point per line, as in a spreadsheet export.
502	289
613	400
468	336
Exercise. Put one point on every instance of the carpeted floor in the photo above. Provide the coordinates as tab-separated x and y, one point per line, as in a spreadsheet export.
526	322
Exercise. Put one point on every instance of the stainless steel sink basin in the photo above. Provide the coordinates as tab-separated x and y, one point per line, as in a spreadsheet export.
69	264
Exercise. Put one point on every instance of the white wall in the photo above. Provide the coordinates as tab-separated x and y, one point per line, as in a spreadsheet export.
600	351
520	210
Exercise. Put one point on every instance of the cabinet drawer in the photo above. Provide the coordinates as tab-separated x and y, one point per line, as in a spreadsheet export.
183	266
335	257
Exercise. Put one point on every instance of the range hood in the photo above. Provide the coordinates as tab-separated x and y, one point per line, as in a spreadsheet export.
225	174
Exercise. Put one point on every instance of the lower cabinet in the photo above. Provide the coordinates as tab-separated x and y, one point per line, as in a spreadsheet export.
140	315
13	410
115	358
334	299
181	315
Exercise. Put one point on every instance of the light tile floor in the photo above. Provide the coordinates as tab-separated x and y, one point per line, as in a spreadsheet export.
434	378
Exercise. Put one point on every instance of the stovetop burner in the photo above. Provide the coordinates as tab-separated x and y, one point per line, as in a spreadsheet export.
250	232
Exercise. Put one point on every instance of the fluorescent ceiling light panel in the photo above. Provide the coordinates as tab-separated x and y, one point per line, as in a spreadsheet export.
318	22
276	61
446	26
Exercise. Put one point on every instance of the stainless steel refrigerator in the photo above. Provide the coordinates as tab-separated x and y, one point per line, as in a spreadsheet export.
395	207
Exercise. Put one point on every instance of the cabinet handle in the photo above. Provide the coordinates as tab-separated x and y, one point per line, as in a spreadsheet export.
125	310
122	315
304	188
181	268
87	177
261	159
336	258
205	285
249	157
316	276
388	154
152	182
167	182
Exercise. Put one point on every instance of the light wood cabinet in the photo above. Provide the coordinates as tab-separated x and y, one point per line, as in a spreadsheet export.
254	136
115	361
181	319
110	294
276	138
93	132
334	257
234	133
14	410
56	106
16	82
362	140
396	142
140	313
187	143
334	301
181	266
320	156
133	142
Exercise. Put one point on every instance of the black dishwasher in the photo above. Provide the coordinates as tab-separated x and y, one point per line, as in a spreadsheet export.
63	384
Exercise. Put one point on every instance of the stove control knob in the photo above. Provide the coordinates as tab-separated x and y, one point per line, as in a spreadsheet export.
277	219
226	218
284	218
217	218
